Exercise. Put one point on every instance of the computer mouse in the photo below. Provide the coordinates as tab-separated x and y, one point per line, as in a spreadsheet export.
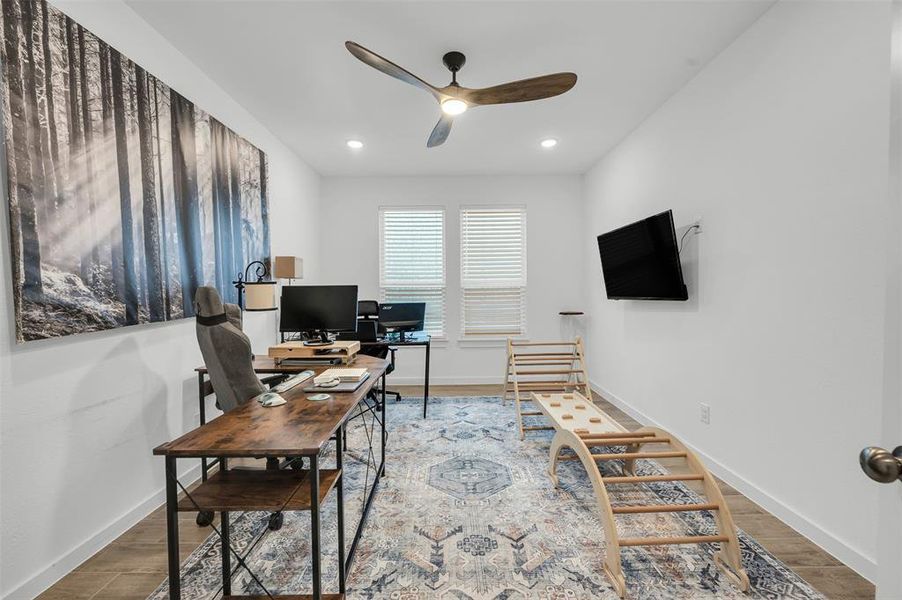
270	399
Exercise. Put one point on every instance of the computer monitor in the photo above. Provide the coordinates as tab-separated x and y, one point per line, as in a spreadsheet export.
318	310
401	317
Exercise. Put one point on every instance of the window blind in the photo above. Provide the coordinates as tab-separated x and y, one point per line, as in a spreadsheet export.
412	260
493	271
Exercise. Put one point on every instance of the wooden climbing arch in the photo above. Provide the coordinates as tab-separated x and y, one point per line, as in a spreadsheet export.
580	426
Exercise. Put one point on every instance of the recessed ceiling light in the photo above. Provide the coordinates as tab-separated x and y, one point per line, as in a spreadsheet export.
454	106
549	143
355	144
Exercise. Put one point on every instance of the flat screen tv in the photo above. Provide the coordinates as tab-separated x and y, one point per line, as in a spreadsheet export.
641	261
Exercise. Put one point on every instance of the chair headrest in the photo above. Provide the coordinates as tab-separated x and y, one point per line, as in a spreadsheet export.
367	308
207	305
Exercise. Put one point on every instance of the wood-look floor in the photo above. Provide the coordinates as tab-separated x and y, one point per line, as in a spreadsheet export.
133	565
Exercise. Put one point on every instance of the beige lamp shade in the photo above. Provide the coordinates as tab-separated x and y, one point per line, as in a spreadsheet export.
260	295
289	267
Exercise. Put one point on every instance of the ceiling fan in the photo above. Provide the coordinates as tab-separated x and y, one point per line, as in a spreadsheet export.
455	99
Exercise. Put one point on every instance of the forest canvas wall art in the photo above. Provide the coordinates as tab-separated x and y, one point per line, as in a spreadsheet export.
124	197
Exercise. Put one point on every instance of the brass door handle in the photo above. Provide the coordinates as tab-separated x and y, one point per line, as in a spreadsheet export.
882	465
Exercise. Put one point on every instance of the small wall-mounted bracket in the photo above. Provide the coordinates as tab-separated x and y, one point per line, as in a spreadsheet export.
695	228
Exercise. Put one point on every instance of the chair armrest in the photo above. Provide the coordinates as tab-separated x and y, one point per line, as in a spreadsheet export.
392	350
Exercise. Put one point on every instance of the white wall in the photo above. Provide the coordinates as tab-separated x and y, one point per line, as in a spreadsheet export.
349	250
79	416
780	146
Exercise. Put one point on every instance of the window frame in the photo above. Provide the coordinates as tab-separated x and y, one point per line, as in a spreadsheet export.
492	338
443	288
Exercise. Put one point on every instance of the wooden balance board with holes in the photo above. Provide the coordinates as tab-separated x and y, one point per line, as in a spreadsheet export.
580	425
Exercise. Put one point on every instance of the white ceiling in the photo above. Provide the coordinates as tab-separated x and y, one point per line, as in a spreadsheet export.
286	63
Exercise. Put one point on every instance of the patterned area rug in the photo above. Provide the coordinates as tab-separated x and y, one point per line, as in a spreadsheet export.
467	511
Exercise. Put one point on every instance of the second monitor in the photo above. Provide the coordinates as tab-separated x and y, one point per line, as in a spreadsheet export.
317	310
401	317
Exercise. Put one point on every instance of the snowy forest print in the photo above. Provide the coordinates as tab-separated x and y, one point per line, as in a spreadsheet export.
123	196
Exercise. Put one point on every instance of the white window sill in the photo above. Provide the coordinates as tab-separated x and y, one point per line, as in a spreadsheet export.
486	342
438	341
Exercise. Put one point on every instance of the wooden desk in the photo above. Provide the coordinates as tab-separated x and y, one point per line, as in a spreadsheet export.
263	365
410	339
298	428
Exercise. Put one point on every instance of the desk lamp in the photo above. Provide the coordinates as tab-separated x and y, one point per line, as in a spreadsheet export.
261	294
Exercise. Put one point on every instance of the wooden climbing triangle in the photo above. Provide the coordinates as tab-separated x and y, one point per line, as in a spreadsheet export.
543	367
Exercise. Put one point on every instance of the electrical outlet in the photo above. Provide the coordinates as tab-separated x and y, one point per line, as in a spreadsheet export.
698	225
705	413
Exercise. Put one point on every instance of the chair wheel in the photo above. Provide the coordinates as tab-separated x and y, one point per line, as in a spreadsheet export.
297	464
204	518
275	521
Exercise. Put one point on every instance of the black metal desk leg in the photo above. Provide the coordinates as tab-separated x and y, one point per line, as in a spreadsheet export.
226	556
340	508
426	386
202	411
315	553
384	420
172	529
226	544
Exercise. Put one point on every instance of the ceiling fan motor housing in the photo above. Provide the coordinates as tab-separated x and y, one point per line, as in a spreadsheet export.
454	60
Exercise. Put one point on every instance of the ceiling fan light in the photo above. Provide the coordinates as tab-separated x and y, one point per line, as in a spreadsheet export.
454	107
548	143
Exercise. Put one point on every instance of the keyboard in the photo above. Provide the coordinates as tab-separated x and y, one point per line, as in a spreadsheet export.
292	382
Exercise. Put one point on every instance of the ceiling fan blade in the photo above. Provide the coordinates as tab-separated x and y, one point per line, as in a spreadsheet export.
389	68
524	90
440	132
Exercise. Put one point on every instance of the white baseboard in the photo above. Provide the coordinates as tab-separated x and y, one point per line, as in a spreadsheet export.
63	565
468	380
857	561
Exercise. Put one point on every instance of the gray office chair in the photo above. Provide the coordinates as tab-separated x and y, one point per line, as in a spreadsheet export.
229	360
226	350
